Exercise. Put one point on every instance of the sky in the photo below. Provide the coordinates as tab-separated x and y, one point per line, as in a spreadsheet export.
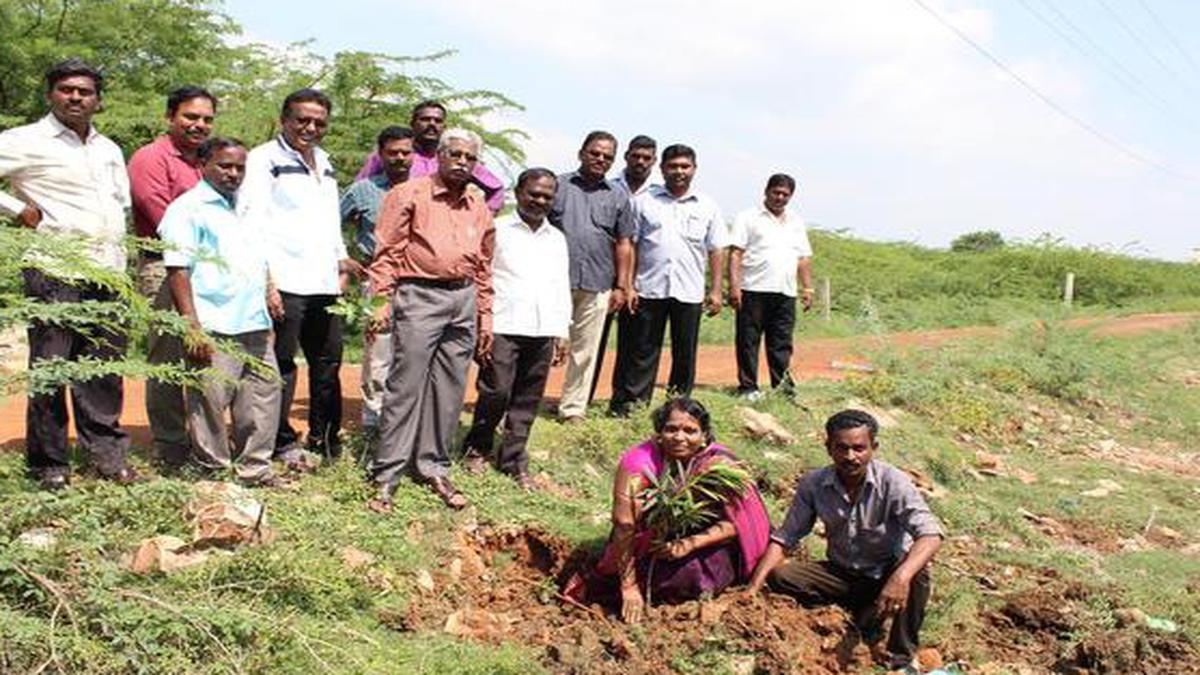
894	125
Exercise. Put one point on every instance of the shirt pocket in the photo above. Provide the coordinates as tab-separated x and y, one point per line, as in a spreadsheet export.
604	216
695	229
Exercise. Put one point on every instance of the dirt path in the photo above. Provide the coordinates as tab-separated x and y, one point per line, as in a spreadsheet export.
816	358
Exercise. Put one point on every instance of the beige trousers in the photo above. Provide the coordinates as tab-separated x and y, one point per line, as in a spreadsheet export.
588	309
252	398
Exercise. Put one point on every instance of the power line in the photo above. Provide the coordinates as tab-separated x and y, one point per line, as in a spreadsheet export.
1142	43
1123	77
1078	121
1170	36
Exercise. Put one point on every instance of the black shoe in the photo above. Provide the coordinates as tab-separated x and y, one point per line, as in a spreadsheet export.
55	481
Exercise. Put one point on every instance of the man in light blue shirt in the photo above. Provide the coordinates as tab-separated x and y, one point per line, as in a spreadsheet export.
360	206
217	274
678	232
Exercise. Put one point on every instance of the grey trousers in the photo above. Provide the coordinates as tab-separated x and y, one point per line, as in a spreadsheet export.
433	339
164	401
252	398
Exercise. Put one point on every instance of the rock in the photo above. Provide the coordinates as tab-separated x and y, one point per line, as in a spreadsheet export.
742	664
1167	533
224	514
764	426
1106	445
425	581
711	611
885	419
38	539
353	558
477	623
1026	477
456	569
929	658
1128	616
986	460
472	565
164	553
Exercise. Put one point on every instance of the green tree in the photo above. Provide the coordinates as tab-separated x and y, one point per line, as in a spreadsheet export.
147	48
977	242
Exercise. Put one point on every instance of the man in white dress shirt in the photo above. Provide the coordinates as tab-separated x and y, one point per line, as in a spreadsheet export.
770	248
70	182
531	319
678	231
291	195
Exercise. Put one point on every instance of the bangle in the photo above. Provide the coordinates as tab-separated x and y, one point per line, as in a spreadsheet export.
809	290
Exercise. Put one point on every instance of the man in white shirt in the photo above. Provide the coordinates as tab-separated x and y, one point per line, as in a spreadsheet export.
678	232
70	184
291	195
531	319
770	248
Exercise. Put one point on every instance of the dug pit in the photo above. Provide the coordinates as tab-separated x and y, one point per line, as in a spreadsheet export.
502	585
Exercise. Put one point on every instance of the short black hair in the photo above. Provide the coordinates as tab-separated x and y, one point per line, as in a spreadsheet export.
687	405
535	173
306	95
73	67
392	133
678	150
642	141
429	103
598	136
782	180
187	93
214	145
851	419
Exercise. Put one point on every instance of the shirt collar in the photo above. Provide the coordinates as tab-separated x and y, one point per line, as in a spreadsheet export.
831	479
57	128
764	211
380	180
662	191
577	177
209	195
318	152
438	188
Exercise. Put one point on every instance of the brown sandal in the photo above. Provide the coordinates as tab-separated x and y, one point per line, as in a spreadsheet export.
449	495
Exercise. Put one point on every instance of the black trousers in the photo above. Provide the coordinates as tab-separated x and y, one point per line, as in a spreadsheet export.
600	352
96	402
307	326
822	582
640	338
511	387
772	315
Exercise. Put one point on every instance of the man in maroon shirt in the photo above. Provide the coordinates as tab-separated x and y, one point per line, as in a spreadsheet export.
158	173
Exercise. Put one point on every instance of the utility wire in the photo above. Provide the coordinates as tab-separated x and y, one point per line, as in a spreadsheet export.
1142	43
1078	121
1123	77
1170	36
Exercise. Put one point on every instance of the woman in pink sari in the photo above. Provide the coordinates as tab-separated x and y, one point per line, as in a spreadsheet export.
704	563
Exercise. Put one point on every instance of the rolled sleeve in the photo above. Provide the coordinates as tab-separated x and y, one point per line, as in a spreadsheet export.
626	220
718	232
739	235
177	232
800	517
914	514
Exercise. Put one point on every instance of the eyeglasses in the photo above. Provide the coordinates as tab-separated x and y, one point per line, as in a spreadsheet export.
461	154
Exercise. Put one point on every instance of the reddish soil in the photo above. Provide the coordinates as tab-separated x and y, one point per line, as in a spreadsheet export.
517	602
715	367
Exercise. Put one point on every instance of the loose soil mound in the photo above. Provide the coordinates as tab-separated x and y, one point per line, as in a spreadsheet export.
1035	626
502	586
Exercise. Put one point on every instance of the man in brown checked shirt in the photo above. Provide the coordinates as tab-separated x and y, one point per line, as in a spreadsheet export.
434	262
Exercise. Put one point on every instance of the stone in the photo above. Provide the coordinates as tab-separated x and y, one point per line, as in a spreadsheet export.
353	559
477	623
764	426
929	658
38	539
425	581
165	554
